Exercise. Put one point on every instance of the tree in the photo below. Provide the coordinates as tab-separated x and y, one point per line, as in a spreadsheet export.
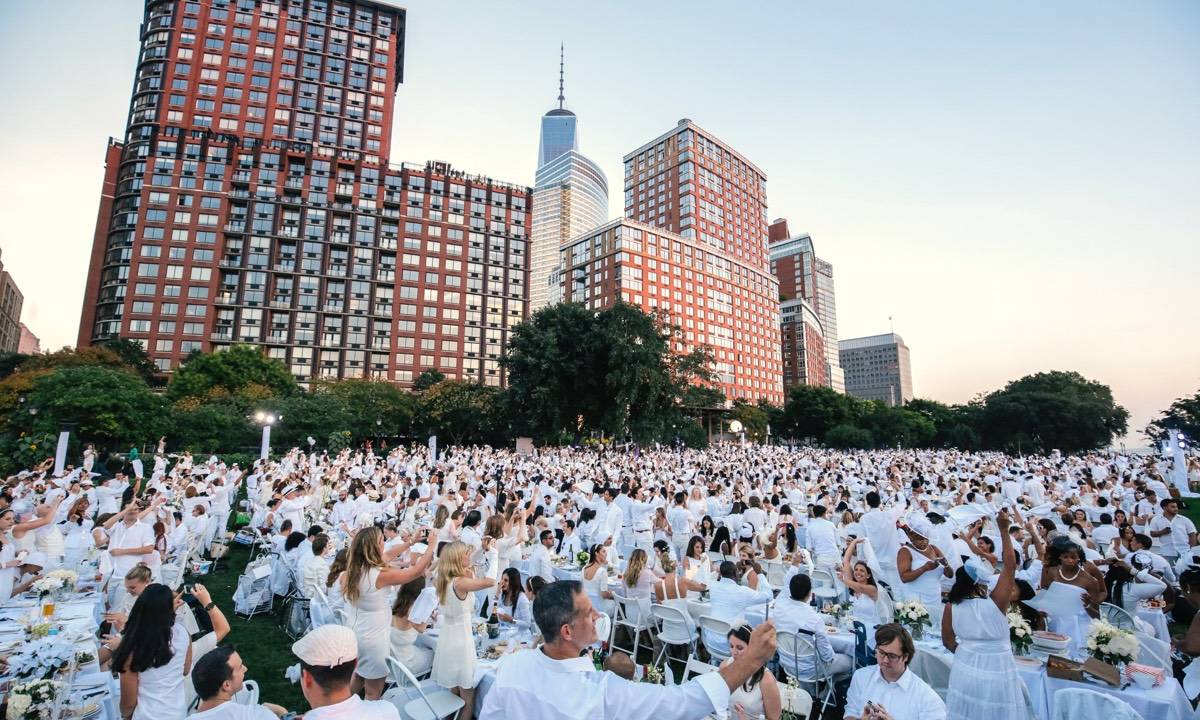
573	370
134	355
1182	416
372	408
1052	411
242	372
428	379
461	412
753	419
110	407
218	426
849	437
892	426
953	425
10	362
811	412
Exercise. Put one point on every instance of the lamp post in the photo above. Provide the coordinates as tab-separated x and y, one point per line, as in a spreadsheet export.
266	420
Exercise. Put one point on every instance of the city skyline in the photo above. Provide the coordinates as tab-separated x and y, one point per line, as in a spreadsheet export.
1014	220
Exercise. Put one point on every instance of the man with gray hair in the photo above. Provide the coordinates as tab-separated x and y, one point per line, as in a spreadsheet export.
558	682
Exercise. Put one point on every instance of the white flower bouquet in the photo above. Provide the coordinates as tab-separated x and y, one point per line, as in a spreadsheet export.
26	702
1020	634
41	659
835	609
69	578
1111	644
48	585
913	615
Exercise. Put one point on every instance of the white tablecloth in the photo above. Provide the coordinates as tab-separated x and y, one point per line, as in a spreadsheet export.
78	616
1166	702
1156	619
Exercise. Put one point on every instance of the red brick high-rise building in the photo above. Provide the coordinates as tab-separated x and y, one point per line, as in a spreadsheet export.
804	276
251	200
693	245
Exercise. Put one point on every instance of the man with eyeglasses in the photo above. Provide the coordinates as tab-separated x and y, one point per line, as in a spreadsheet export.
888	691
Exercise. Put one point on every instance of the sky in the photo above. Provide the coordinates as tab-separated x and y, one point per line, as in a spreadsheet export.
1016	185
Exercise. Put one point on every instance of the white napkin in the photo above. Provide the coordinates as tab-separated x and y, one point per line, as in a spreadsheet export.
423	606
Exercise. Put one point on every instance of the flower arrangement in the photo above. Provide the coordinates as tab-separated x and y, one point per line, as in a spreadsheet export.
582	557
69	578
84	658
48	585
41	659
1020	635
653	675
26	702
835	609
1111	644
913	615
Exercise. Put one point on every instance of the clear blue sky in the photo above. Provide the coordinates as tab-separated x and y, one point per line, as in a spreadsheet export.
1017	183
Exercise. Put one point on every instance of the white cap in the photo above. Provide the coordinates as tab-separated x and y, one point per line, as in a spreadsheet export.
327	646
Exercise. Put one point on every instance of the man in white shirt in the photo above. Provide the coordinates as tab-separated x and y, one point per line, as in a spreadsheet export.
680	521
217	676
314	569
888	691
821	539
539	559
570	546
554	683
1174	533
328	656
730	601
880	528
794	614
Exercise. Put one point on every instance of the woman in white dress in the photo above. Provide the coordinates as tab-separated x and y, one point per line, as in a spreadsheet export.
865	592
922	566
513	606
153	659
454	659
365	586
89	457
417	658
595	580
758	698
983	677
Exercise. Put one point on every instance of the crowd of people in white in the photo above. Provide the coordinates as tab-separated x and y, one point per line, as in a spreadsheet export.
740	557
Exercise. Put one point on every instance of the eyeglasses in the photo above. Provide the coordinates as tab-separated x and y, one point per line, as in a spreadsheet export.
890	657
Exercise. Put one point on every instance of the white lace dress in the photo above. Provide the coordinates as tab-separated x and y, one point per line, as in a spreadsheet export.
983	679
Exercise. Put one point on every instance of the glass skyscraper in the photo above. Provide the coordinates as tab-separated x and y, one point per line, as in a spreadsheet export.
570	196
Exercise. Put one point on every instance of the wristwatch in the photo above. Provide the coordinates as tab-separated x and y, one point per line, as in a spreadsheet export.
211	604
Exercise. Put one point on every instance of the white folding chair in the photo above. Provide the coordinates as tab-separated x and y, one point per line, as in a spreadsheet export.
248	695
1084	704
824	585
673	630
435	704
1154	652
793	647
716	637
630	614
934	669
696	667
1117	616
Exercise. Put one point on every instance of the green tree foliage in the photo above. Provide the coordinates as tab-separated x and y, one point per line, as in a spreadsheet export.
10	362
428	379
753	418
374	408
217	426
953	425
575	370
242	372
849	437
110	407
134	356
1052	411
811	412
1183	415
460	412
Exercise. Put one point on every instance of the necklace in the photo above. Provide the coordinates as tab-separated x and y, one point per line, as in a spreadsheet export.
1063	575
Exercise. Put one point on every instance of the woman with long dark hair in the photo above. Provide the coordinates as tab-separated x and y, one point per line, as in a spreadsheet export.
983	679
404	632
1127	583
721	542
154	656
512	605
759	696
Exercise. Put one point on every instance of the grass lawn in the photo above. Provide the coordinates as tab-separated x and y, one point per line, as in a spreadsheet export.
264	647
